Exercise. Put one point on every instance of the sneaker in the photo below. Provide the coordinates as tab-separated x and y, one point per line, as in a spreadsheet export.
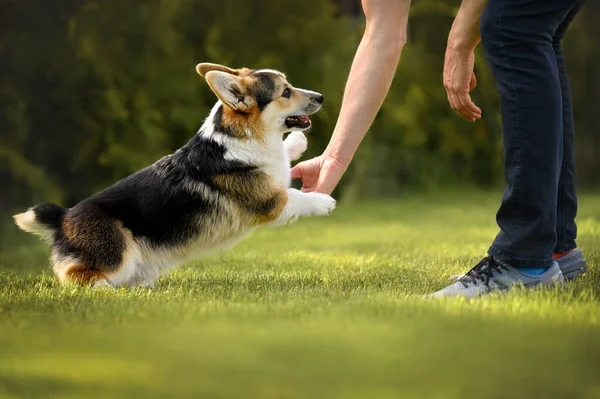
491	275
571	263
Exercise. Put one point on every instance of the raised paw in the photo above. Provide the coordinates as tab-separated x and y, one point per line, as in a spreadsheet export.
295	144
323	204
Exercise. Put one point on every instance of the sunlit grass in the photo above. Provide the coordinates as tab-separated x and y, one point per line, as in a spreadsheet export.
327	308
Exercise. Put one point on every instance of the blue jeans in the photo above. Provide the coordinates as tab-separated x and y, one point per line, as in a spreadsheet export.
522	44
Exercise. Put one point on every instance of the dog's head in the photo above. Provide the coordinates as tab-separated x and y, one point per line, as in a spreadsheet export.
262	97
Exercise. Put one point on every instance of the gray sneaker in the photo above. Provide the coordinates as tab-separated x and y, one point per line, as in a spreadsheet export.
491	275
571	265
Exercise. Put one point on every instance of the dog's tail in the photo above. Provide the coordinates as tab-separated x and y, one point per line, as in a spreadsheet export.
43	220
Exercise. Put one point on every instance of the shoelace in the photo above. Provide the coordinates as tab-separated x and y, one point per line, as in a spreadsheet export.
483	271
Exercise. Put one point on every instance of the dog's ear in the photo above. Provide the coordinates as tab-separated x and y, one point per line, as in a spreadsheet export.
230	89
206	67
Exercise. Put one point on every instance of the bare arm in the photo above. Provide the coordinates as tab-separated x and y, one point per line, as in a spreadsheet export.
371	74
459	77
465	29
368	83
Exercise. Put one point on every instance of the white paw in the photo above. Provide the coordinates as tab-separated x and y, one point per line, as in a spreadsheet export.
148	284
102	285
322	204
295	144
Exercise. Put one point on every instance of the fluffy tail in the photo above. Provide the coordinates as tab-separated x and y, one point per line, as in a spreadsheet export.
43	220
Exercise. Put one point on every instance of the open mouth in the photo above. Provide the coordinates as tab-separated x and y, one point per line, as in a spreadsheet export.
297	121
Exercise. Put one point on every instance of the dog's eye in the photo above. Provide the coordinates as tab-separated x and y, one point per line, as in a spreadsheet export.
287	93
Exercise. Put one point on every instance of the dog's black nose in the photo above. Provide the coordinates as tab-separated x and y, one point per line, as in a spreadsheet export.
319	99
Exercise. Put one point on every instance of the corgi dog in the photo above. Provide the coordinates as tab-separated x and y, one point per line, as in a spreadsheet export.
232	177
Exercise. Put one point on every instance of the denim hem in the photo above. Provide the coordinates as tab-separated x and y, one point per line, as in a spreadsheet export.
517	262
559	249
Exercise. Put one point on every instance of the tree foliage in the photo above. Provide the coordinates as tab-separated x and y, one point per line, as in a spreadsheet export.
91	90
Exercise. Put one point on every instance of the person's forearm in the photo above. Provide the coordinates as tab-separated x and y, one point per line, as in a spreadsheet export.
370	77
464	34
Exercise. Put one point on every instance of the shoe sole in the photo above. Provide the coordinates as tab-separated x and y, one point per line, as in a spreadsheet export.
572	265
553	277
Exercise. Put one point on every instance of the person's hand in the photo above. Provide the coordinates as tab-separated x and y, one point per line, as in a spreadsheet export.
320	174
459	79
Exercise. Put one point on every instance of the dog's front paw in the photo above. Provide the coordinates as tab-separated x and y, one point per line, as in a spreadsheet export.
295	145
323	204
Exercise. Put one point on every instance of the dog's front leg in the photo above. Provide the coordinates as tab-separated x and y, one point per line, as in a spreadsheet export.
295	144
301	204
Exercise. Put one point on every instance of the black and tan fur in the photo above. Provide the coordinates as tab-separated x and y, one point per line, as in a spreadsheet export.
230	178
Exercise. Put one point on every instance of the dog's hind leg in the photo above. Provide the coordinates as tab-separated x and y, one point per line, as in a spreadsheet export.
84	275
90	247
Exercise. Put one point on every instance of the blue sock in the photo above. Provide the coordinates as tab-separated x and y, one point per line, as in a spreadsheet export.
533	272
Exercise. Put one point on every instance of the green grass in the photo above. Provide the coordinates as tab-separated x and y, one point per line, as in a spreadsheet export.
327	308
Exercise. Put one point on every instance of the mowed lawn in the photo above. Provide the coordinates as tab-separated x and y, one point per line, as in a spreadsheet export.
326	308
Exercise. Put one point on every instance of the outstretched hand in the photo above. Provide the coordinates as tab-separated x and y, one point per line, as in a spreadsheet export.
320	174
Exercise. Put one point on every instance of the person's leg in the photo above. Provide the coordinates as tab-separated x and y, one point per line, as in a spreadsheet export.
517	37
566	229
570	260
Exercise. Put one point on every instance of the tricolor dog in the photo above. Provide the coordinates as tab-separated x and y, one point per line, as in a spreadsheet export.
232	177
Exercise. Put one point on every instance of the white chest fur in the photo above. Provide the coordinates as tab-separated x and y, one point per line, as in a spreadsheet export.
276	162
268	153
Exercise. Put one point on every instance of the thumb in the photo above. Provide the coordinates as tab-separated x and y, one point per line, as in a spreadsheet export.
473	82
297	171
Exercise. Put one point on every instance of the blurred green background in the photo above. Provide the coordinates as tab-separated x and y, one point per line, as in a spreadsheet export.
91	91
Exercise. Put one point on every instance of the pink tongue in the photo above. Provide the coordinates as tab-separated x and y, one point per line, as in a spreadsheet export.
304	119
